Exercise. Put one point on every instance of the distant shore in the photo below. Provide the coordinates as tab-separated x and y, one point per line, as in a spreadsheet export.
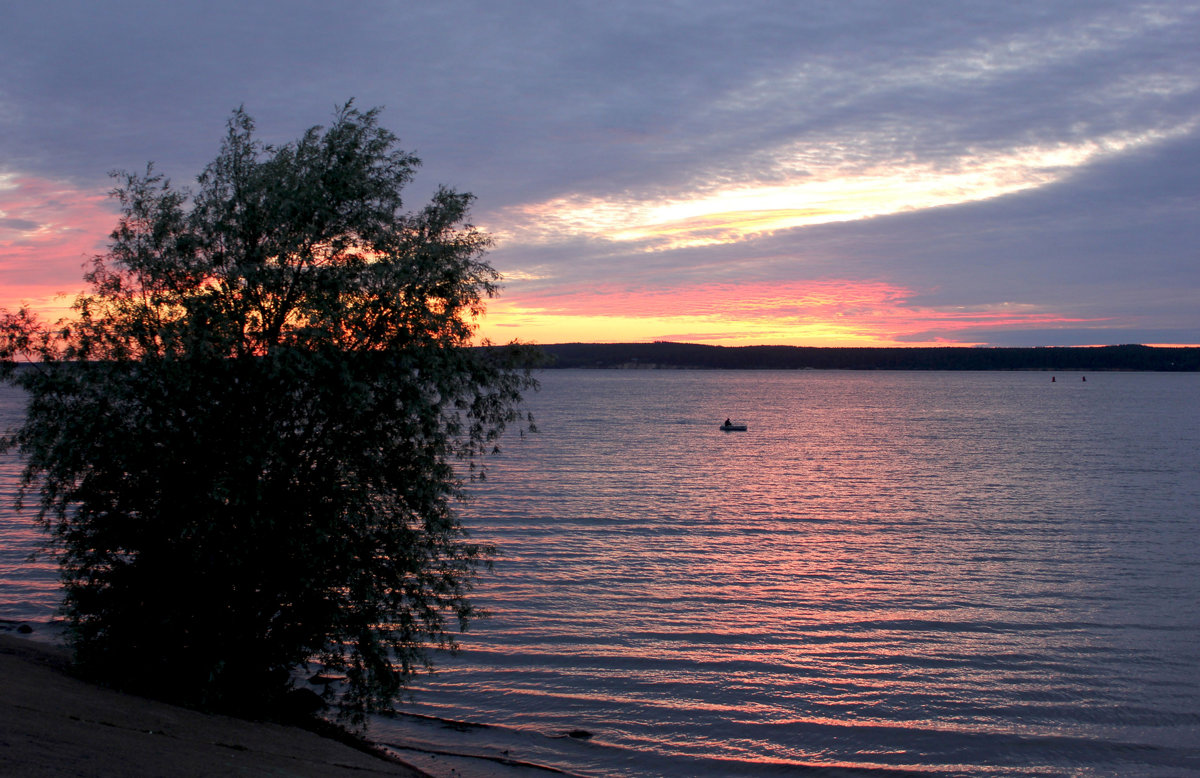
693	356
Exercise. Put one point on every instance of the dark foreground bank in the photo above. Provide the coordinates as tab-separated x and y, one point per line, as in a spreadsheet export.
52	724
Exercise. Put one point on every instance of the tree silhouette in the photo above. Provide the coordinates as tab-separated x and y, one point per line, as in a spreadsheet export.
247	444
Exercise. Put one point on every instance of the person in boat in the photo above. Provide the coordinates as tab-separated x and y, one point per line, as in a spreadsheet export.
728	423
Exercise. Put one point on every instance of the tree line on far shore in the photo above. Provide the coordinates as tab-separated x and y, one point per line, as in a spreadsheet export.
669	355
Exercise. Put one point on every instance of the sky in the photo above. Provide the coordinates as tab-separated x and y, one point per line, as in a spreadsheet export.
837	173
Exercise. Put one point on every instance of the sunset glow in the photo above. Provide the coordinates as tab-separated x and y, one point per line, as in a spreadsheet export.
48	232
843	176
820	313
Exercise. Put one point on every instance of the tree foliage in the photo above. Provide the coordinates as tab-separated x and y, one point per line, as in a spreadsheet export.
247	443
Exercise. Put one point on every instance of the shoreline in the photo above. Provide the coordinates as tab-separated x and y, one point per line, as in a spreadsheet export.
55	724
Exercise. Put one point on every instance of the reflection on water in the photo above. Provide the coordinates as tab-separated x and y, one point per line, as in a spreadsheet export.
956	573
28	589
900	569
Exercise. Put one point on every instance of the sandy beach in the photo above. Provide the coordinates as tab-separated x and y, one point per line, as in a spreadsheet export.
53	724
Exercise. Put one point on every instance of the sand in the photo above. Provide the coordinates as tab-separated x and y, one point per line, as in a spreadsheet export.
52	724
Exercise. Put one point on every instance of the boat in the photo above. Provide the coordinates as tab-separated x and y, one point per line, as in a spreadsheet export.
730	427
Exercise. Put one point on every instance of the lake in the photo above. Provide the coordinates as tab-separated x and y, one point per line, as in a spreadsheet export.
952	573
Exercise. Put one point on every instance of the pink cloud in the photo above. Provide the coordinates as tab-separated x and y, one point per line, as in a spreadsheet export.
48	232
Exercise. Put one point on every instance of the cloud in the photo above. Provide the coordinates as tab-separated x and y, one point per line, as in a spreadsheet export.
48	231
968	153
814	196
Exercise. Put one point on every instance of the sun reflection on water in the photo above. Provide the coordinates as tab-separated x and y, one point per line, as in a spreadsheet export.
899	571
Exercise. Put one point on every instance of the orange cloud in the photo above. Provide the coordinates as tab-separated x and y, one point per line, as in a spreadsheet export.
48	232
828	312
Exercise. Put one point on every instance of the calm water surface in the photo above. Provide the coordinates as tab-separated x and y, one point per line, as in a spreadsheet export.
28	589
953	573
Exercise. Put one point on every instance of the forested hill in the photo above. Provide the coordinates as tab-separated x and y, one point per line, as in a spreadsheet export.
694	356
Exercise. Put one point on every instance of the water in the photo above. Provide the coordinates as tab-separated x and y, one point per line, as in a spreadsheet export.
952	573
28	588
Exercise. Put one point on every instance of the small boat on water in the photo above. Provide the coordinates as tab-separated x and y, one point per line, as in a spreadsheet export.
731	427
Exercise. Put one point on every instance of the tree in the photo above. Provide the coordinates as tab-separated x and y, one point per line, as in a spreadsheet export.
248	442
